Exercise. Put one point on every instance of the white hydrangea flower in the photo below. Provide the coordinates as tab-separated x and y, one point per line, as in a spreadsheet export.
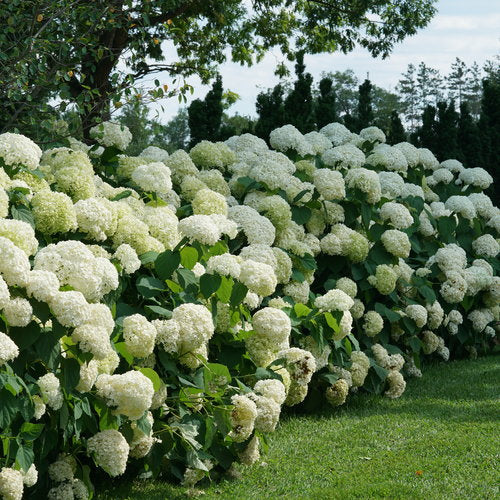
8	349
139	335
417	313
372	134
154	153
344	156
18	312
112	134
477	177
329	183
110	450
258	277
373	323
14	264
359	368
288	137
337	133
50	389
461	205
154	177
486	246
257	228
318	142
396	384
410	152
18	150
334	300
427	159
30	477
202	228
397	214
11	481
131	393
128	258
389	158
242	417
272	389
299	363
453	166
396	243
96	217
366	181
20	233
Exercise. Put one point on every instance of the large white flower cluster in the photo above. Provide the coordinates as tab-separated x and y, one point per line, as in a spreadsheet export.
112	134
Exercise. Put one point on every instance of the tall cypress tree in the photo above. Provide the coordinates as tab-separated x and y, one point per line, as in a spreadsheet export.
446	146
204	117
425	135
364	111
271	112
469	139
489	127
299	104
326	104
396	133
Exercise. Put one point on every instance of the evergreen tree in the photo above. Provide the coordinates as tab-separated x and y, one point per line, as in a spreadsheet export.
396	132
407	89
429	83
270	111
204	117
489	128
469	140
350	122
364	111
473	90
446	129
425	135
299	102
326	106
457	81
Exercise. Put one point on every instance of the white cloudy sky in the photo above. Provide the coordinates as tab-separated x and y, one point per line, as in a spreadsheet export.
464	28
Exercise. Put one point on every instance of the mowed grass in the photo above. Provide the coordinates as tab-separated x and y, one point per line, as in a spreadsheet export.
440	440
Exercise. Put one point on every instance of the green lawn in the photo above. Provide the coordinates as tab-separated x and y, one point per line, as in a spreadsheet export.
440	440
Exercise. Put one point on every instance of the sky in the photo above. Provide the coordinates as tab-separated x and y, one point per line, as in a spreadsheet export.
461	28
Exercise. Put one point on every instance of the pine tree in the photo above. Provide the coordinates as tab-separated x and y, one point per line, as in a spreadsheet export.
457	81
299	102
396	132
204	117
429	83
425	135
270	110
326	106
473	90
364	111
446	146
407	89
469	139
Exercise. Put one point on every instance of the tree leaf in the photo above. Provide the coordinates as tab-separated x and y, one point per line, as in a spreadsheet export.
238	293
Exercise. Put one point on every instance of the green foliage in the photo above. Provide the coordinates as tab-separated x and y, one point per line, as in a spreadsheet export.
71	51
364	110
325	105
270	111
298	105
396	132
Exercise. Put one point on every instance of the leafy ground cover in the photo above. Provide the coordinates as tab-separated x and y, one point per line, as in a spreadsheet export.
439	440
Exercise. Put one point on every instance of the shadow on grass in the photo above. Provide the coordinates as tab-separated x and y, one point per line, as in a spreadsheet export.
461	391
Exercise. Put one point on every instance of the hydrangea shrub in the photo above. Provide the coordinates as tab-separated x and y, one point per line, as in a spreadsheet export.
157	312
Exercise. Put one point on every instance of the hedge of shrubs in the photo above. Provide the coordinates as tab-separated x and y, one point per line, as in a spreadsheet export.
157	312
